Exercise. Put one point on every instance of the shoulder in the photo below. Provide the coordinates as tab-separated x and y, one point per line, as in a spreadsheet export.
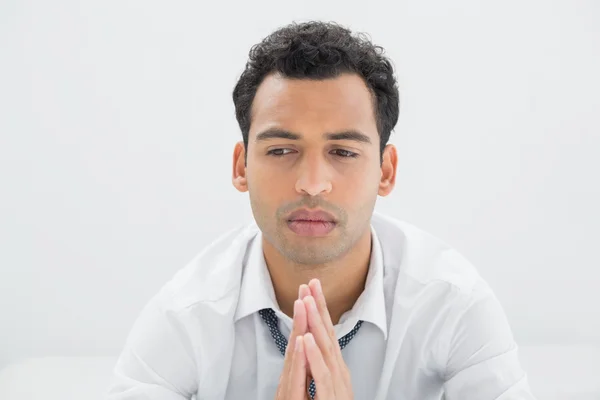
412	254
169	339
214	274
442	296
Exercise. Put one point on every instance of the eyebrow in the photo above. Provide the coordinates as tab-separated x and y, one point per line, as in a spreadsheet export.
283	134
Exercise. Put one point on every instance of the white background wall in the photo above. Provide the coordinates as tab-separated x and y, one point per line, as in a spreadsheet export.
117	129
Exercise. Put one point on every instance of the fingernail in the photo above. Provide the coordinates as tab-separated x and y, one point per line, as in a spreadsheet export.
319	288
302	289
298	344
310	340
311	302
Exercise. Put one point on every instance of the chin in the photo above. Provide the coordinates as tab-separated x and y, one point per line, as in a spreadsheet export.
309	252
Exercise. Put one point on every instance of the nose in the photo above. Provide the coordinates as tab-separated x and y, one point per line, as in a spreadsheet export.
314	177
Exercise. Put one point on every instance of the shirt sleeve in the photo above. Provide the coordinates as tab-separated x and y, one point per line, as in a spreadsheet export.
483	361
157	362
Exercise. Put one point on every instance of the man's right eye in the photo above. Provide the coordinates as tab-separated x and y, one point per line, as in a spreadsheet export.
278	152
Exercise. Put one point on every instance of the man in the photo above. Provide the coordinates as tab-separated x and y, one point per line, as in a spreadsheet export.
321	296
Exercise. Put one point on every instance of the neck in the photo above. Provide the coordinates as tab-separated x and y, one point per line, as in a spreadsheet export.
340	294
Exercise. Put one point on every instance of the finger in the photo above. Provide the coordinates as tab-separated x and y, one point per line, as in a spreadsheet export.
300	321
300	324
317	292
300	327
317	328
319	369
297	379
326	345
303	291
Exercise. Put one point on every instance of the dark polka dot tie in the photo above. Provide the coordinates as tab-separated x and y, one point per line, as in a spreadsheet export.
270	318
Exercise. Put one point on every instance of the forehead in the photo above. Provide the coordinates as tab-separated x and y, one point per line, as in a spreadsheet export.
313	106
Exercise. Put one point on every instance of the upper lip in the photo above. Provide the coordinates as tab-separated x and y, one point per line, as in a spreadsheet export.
307	215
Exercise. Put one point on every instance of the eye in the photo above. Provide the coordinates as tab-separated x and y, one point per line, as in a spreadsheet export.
345	153
279	152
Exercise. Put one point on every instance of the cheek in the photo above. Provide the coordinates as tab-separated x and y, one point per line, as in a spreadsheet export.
270	180
270	187
358	177
360	186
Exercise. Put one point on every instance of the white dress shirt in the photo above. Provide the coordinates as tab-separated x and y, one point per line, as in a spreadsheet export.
433	329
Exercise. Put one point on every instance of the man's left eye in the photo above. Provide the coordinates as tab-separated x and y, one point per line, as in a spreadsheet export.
344	153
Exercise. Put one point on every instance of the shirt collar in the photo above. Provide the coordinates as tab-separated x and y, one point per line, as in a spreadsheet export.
370	305
257	291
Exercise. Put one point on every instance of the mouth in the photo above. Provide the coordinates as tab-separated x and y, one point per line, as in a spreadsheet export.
311	223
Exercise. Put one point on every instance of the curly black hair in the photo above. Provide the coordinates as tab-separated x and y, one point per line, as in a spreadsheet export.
319	50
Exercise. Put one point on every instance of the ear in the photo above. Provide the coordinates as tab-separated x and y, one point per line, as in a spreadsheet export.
388	170
239	167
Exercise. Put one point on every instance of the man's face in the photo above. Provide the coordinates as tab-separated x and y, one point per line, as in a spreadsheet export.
313	165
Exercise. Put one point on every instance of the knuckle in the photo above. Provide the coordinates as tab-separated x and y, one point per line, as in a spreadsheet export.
346	373
327	376
335	369
328	381
330	348
331	332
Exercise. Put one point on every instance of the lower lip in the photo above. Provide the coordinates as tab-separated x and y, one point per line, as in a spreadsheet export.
311	228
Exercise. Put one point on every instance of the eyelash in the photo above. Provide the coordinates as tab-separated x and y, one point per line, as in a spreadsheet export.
350	154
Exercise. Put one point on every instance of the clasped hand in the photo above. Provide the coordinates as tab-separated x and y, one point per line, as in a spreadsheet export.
313	352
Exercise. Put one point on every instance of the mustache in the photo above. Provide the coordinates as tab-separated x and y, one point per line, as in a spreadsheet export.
310	203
